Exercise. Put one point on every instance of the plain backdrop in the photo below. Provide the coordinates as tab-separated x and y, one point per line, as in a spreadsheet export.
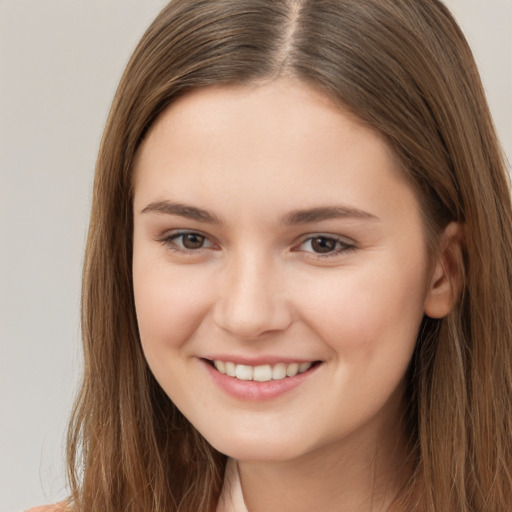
60	61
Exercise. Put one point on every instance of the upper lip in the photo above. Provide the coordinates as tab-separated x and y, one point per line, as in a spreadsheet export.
259	360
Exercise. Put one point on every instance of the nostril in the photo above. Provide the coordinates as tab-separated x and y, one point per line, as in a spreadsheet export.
246	323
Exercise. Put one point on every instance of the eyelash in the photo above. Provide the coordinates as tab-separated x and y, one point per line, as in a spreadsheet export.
341	245
169	242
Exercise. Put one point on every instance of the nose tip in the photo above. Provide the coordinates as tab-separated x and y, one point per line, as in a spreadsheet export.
251	305
250	327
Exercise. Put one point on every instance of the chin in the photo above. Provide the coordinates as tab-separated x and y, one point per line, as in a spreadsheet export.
254	448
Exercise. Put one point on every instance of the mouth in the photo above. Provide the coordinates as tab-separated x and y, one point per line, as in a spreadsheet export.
261	373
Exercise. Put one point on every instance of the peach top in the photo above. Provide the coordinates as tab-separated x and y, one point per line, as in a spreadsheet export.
231	498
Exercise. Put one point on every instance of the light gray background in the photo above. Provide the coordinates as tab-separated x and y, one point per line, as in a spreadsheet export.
60	61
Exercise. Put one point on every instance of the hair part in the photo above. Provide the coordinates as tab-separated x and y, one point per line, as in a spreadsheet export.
402	68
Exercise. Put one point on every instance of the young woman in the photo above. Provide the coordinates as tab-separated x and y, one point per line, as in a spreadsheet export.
297	288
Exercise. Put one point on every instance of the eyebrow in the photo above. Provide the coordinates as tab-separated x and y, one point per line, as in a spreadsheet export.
294	217
326	213
182	210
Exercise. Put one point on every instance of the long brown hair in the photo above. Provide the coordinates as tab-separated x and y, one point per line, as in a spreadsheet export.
402	67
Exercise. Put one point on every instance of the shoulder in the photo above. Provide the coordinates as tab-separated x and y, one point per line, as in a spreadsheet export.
59	507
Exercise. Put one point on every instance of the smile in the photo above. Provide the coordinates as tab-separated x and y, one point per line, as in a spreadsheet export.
262	373
266	380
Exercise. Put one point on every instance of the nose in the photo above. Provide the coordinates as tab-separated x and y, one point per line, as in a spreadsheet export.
252	301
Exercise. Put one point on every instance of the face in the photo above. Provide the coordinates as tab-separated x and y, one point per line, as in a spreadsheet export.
280	269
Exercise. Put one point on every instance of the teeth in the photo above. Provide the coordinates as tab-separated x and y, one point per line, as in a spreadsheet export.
304	366
263	373
220	365
279	371
243	372
292	370
230	369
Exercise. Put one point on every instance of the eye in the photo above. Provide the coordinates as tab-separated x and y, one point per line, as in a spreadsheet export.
187	241
324	245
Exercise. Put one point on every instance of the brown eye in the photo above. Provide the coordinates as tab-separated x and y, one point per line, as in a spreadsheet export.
323	244
187	241
193	241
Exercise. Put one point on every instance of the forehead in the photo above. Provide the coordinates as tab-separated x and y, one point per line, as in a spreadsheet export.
275	144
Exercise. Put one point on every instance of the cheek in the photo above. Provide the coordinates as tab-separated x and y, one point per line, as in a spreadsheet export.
170	303
377	310
370	321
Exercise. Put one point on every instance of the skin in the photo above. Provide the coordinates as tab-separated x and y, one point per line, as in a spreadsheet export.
255	286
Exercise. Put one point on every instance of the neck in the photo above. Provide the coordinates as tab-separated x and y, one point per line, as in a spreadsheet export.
363	472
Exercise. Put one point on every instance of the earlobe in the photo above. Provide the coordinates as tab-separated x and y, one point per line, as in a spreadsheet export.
446	281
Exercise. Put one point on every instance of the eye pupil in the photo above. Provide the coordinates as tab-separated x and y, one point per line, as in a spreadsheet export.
323	244
193	241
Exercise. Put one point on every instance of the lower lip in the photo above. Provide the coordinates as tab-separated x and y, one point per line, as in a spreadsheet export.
251	390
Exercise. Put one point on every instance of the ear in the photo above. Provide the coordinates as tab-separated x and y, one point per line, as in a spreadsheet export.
445	284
